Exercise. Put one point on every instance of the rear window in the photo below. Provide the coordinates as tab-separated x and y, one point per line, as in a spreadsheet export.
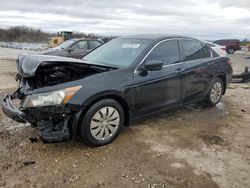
221	42
193	50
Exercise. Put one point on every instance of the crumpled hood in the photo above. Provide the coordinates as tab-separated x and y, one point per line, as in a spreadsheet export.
27	64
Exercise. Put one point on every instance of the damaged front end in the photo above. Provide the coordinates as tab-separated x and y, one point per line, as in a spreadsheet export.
52	121
46	86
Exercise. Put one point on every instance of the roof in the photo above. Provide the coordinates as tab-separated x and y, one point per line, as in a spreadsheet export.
227	39
154	36
87	39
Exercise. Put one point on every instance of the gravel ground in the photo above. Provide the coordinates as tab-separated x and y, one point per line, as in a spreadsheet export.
193	147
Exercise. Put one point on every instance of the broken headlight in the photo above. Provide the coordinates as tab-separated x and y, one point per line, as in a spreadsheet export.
51	98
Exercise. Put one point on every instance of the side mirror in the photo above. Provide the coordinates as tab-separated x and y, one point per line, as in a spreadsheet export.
153	65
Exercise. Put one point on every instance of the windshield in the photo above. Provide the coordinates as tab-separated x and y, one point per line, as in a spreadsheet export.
65	44
120	52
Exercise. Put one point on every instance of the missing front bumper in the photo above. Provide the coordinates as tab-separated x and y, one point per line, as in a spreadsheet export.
10	110
53	122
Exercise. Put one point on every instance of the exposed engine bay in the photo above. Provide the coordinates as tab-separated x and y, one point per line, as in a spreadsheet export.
37	71
49	74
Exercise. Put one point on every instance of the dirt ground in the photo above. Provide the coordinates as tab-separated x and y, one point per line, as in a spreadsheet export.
193	147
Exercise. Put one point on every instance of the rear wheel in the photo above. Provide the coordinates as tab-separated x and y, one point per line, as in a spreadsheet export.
230	51
102	123
215	92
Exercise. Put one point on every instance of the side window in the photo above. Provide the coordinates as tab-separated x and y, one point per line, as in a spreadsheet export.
167	52
81	45
206	51
93	44
192	49
223	43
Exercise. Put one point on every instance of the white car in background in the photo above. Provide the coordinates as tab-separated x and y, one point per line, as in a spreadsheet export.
220	50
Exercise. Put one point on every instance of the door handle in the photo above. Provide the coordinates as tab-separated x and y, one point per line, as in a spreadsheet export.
210	63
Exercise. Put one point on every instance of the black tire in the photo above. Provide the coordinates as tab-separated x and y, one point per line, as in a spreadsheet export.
230	51
85	126
210	101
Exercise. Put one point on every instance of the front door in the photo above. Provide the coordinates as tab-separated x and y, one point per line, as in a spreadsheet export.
157	90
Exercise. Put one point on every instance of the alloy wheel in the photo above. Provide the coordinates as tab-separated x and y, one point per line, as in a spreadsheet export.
216	92
104	123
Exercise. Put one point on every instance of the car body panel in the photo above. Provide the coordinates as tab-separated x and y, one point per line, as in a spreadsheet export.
196	77
157	89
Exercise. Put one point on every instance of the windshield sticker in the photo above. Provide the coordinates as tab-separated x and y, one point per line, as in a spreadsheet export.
131	46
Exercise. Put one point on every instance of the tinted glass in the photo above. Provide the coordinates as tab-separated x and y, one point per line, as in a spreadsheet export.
65	44
221	42
166	52
192	49
207	51
93	44
234	41
81	45
119	52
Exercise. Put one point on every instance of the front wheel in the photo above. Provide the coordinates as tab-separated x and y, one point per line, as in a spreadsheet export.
102	123
215	92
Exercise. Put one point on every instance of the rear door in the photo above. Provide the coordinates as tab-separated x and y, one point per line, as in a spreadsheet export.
157	90
198	69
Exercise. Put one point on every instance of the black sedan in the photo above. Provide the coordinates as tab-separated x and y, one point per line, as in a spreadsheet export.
75	48
121	81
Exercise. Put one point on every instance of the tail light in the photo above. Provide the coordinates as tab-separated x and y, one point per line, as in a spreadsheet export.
223	49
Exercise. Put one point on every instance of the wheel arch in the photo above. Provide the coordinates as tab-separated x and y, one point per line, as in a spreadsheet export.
117	97
109	95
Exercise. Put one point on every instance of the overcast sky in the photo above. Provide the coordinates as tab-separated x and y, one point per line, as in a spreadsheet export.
204	19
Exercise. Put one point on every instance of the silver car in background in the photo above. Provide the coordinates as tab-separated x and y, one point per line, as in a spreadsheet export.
220	50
